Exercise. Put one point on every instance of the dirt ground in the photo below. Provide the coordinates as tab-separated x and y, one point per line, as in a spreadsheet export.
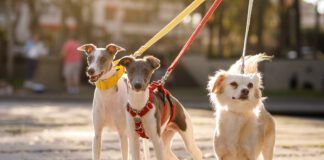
62	131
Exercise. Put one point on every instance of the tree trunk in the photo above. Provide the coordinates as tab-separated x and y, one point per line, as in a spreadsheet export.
221	32
34	15
9	65
261	14
284	27
317	29
297	28
211	40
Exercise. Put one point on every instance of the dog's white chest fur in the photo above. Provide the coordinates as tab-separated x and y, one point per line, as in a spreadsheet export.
241	134
236	125
110	105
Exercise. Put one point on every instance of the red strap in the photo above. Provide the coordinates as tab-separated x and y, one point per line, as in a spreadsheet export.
172	113
194	34
164	112
165	107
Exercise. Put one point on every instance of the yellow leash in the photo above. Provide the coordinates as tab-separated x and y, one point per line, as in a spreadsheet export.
112	81
194	5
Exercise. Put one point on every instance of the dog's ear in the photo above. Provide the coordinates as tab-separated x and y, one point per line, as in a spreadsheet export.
126	61
154	62
87	48
112	49
218	83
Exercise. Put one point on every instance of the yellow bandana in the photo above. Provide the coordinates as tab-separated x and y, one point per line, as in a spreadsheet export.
113	80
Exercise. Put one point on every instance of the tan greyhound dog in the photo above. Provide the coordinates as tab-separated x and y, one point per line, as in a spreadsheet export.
154	114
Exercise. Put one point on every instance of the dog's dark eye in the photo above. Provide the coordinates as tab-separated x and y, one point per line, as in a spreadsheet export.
103	60
234	85
250	85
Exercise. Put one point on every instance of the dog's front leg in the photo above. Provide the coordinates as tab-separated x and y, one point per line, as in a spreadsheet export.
267	150
96	143
134	146
158	147
98	128
134	143
124	144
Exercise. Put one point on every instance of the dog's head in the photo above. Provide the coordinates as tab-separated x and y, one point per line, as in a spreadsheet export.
139	71
236	89
99	59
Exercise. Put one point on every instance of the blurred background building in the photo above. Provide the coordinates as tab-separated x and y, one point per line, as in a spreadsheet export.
291	30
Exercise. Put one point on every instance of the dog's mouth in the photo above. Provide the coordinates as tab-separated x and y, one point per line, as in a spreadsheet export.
138	89
242	97
94	78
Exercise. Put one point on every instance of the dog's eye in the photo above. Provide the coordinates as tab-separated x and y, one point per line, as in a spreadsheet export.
103	60
250	85
234	85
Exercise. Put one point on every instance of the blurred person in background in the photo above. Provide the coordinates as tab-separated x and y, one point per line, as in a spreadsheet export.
34	48
72	63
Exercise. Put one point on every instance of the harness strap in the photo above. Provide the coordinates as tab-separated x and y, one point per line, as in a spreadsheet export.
137	115
164	112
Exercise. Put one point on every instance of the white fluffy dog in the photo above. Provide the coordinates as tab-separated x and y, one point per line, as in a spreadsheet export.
244	128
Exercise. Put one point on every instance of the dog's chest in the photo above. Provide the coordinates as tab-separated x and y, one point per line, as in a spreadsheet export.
230	123
239	127
109	106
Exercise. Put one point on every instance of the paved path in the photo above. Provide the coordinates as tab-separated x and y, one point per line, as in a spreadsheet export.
62	131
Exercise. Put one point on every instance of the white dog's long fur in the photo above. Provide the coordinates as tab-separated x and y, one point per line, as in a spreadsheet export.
244	129
251	63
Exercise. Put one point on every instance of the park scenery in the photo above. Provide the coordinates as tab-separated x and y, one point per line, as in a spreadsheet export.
51	82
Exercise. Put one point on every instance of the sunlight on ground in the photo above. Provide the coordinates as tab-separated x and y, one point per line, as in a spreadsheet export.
75	134
64	130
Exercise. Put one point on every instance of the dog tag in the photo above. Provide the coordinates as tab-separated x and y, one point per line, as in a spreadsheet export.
137	119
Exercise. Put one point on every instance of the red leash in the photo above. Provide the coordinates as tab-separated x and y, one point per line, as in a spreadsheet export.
193	36
137	115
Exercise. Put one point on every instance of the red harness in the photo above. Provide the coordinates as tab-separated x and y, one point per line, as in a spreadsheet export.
137	115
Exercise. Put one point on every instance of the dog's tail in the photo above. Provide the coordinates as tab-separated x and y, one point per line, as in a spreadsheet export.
251	63
146	149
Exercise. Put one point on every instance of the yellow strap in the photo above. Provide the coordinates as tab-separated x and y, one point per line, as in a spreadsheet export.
195	4
111	81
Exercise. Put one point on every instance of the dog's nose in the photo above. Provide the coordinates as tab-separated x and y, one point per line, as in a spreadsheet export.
90	71
137	86
245	91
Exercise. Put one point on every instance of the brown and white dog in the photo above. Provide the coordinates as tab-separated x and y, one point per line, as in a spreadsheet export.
139	72
244	129
109	105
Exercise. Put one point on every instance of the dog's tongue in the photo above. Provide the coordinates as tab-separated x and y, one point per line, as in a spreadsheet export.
93	78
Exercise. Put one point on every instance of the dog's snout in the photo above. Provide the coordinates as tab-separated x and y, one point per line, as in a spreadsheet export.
137	86
245	91
90	71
